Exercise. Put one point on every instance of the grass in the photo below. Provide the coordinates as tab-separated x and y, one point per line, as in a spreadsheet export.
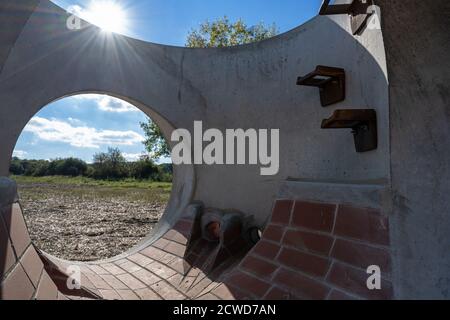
35	188
89	182
86	219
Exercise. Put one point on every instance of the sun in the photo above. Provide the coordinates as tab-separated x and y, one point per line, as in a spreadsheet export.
108	15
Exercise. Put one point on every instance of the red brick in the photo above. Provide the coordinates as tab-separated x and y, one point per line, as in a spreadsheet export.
114	282
282	211
97	269
62	297
168	258
208	297
153	253
266	249
210	288
85	282
199	286
16	286
183	226
32	265
339	295
309	242
46	289
98	282
127	295
362	256
18	232
110	295
225	292
273	233
180	265
355	281
259	267
362	224
161	270
147	277
113	269
181	282
176	236
131	282
7	251
167	292
249	283
315	216
130	267
305	262
161	243
140	259
176	249
279	294
147	294
300	286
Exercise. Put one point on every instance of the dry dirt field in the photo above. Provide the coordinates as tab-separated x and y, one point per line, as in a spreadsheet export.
80	221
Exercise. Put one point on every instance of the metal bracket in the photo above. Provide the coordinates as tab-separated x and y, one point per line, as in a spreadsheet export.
330	81
358	11
363	122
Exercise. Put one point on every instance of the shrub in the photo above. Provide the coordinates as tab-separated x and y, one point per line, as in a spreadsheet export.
110	165
16	167
143	169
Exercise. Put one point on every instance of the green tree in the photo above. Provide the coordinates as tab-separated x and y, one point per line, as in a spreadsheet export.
145	168
155	143
220	33
16	167
224	33
110	165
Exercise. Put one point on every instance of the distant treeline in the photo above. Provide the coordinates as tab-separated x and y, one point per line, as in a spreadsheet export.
109	165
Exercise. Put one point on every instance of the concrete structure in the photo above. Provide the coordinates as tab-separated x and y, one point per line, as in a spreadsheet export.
399	71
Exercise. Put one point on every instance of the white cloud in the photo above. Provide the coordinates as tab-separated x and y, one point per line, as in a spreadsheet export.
54	130
76	121
20	154
132	156
107	103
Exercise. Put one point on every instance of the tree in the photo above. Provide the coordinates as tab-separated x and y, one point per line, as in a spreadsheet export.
145	168
155	143
16	167
67	167
224	33
220	33
110	165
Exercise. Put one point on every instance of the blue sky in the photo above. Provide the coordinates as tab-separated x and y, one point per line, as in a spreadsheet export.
82	126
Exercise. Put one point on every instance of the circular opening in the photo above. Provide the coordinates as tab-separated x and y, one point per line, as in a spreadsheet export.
94	177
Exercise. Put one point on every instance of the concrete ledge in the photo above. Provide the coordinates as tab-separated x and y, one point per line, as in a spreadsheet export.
8	191
364	194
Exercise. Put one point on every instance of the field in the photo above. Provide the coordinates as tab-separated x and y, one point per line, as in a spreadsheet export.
82	219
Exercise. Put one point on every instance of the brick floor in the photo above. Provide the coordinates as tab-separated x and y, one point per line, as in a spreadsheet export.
307	251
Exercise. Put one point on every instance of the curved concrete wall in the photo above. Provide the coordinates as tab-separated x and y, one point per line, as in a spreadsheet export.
251	86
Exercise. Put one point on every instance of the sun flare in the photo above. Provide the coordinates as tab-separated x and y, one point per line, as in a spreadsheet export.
108	15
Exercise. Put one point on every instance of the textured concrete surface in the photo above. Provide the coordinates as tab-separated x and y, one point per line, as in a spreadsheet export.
251	86
418	46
